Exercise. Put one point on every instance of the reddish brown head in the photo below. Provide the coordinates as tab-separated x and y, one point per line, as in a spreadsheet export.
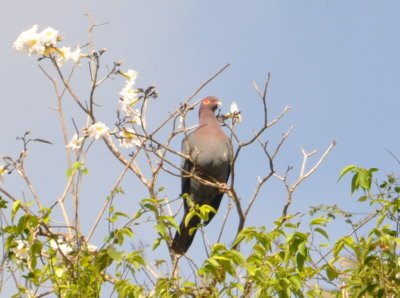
211	102
208	107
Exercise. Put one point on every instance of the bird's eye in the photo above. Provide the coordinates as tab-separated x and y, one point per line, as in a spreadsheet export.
206	101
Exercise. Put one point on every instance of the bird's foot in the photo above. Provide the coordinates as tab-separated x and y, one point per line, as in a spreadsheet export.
223	187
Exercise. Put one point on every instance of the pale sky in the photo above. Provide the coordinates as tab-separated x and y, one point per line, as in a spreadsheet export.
335	63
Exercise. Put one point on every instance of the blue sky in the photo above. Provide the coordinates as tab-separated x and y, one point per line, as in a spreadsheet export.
335	63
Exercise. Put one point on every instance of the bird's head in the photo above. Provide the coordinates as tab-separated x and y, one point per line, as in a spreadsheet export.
210	103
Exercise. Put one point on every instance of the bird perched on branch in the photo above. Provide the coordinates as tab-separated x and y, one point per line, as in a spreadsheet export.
209	153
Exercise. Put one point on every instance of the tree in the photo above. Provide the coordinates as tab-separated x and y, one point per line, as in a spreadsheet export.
45	257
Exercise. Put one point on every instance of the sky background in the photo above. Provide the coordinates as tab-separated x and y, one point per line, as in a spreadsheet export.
335	63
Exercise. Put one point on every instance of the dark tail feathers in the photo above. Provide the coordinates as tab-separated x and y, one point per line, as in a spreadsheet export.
183	240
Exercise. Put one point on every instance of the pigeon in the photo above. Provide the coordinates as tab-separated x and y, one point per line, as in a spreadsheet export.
210	155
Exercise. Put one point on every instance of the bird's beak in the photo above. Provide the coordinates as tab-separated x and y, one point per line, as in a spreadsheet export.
219	103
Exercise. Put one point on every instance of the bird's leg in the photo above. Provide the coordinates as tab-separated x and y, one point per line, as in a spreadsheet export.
223	187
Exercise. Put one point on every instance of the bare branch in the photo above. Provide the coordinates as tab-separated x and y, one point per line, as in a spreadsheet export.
303	175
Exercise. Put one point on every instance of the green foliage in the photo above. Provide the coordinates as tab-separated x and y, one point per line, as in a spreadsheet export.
362	178
289	260
371	265
77	167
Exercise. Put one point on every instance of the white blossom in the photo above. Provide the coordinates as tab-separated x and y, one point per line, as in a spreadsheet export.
44	43
97	130
28	42
128	98
128	138
61	245
136	117
21	251
91	247
76	55
32	42
235	113
131	75
64	54
128	95
75	143
49	36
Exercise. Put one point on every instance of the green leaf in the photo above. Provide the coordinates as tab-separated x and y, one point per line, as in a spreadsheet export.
137	215
192	230
114	254
3	203
15	208
156	243
300	259
362	198
365	179
205	210
161	229
121	214
331	273
189	216
338	247
322	232
354	183
170	221
347	169
78	166
296	281
319	221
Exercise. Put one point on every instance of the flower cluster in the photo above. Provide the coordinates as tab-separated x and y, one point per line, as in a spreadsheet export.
96	131
65	54
44	43
235	112
129	96
21	250
61	246
128	138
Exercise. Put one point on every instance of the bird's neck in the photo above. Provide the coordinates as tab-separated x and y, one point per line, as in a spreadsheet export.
208	117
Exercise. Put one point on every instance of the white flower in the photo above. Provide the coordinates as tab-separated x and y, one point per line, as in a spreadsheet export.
98	130
75	143
76	55
61	245
32	42
128	138
28	42
136	116
91	247
235	113
128	95
49	36
131	75
3	171
128	98
21	251
64	54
